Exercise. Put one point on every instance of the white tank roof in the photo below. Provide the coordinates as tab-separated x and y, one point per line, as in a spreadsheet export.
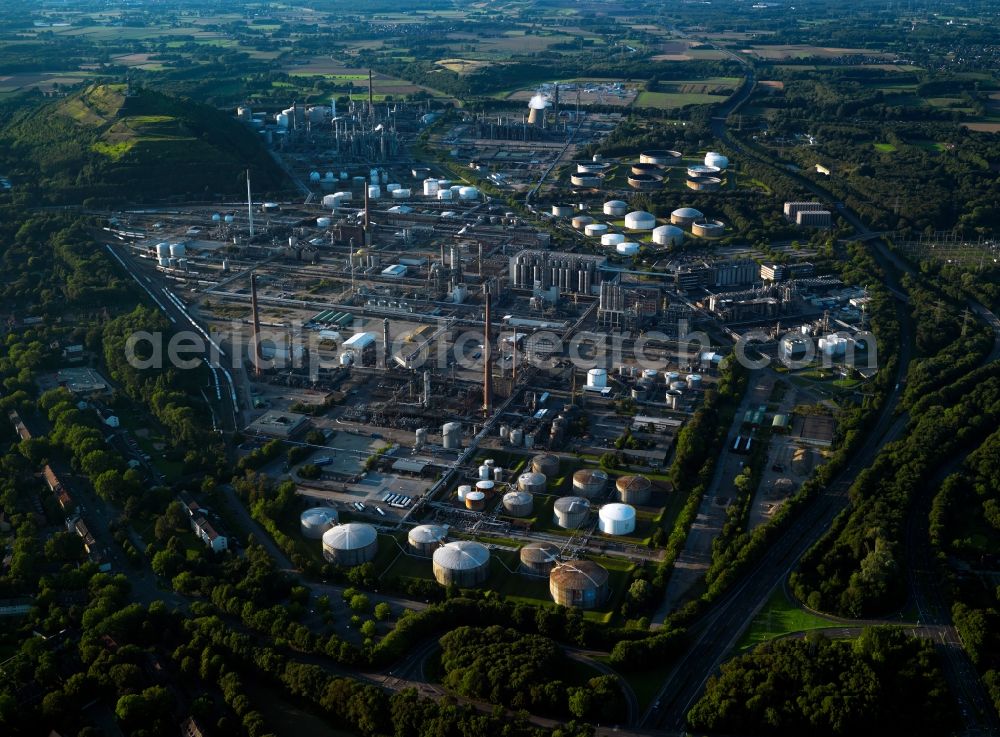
687	212
461	555
352	536
427	534
618	512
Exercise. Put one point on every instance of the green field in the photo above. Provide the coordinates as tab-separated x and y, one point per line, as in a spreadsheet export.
778	618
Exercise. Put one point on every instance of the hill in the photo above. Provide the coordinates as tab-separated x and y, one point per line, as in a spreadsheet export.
100	146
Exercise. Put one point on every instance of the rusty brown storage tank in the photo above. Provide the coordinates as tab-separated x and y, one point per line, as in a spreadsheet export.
579	583
634	490
539	558
589	482
546	463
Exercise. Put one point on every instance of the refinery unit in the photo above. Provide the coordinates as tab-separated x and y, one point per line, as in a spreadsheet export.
454	360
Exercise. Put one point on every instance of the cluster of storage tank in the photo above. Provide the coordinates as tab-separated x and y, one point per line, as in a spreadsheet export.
443	189
516	436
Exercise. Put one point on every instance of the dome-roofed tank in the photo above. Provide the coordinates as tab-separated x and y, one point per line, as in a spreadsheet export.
579	583
463	563
569	512
316	521
546	463
539	558
685	216
425	539
351	544
640	220
615	208
476	501
627	249
533	483
589	482
518	503
616	519
668	235
612	239
634	489
716	160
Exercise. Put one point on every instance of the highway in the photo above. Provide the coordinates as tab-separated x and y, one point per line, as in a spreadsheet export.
718	630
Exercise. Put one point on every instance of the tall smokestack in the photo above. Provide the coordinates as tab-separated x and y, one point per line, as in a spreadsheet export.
366	221
385	342
487	359
256	325
371	95
249	204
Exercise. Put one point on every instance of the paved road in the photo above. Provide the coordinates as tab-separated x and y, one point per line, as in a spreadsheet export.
718	630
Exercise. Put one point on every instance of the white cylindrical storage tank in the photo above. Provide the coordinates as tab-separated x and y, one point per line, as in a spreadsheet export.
529	440
595	229
582	221
316	521
484	472
668	235
451	435
539	558
615	208
425	539
673	398
401	194
546	464
671	376
163	262
373	176
694	382
678	386
716	160
589	482
485	486
314	176
323	222
498	475
597	378
640	220
463	491
177	250
516	437
634	490
627	249
444	194
351	544
281	120
569	512
579	583
562	211
532	483
162	250
475	500
462	563
650	374
504	432
431	187
612	239
329	177
616	519
346	358
421	437
468	193
518	503
392	187
374	191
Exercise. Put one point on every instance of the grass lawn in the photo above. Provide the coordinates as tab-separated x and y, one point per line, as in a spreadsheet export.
884	148
780	617
667	100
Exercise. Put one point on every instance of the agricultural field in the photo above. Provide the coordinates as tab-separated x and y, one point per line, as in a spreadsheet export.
804	51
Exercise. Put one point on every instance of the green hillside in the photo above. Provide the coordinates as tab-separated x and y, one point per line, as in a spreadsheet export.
100	146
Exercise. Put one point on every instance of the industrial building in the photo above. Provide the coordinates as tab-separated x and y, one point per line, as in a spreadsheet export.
792	209
566	272
280	425
580	583
462	563
814	219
